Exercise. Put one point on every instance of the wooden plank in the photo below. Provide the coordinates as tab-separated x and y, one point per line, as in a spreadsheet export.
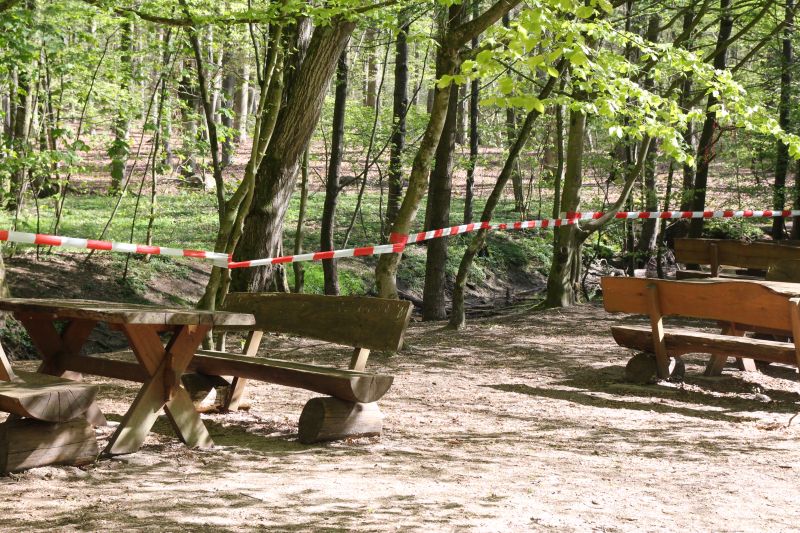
784	270
358	361
347	385
679	341
120	313
373	323
187	423
752	255
757	303
109	368
46	398
28	443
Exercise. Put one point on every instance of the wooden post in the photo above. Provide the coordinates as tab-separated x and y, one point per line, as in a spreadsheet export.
235	396
6	372
657	326
794	309
359	359
714	259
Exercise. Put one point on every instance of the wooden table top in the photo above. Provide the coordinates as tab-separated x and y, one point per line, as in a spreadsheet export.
123	313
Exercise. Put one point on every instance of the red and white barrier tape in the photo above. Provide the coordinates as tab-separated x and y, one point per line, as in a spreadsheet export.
89	244
397	241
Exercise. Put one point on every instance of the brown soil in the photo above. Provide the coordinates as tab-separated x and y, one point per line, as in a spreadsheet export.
521	422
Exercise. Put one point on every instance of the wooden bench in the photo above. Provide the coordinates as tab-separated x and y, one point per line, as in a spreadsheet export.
47	420
739	305
364	324
754	258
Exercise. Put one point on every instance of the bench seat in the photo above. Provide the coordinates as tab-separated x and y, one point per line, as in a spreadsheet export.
46	398
348	385
680	341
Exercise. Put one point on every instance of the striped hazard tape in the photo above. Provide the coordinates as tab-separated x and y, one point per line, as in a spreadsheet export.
89	244
397	242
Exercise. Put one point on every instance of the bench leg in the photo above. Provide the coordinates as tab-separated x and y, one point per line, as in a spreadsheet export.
715	365
235	395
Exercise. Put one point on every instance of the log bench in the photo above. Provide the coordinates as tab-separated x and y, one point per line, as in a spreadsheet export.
47	421
363	324
754	258
741	306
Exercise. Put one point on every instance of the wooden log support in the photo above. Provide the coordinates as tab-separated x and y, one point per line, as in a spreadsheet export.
794	311
208	393
26	443
46	398
325	419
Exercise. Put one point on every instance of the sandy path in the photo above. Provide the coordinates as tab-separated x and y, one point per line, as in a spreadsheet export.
520	423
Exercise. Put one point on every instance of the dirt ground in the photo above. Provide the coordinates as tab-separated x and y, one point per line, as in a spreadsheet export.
520	423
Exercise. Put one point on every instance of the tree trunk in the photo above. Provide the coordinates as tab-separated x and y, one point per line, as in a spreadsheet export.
241	104
399	111
437	214
275	179
446	62
120	148
784	119
229	83
371	75
299	271
565	270
705	148
474	140
330	274
188	110
511	134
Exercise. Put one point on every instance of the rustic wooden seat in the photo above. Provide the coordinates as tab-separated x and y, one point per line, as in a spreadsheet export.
47	422
364	324
738	304
755	258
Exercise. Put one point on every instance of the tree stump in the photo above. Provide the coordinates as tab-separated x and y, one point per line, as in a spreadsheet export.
26	443
325	418
643	370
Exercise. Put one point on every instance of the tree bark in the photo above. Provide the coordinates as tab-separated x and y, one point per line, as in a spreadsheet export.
329	271
119	148
784	119
705	148
474	140
371	75
229	83
437	214
275	180
399	111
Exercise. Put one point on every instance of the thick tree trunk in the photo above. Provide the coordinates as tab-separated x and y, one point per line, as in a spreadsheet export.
437	214
565	270
399	111
22	102
784	119
330	274
275	180
705	148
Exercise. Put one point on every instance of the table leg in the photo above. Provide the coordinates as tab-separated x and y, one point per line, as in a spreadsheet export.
162	389
56	348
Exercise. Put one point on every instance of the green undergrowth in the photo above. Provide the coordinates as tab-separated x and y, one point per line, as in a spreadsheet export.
189	220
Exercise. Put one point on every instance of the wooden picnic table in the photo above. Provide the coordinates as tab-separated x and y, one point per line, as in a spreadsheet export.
160	365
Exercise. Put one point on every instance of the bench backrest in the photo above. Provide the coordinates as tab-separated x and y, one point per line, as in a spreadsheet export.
762	304
756	255
372	323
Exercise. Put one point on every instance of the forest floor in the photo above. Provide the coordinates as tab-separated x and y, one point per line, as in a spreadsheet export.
521	422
